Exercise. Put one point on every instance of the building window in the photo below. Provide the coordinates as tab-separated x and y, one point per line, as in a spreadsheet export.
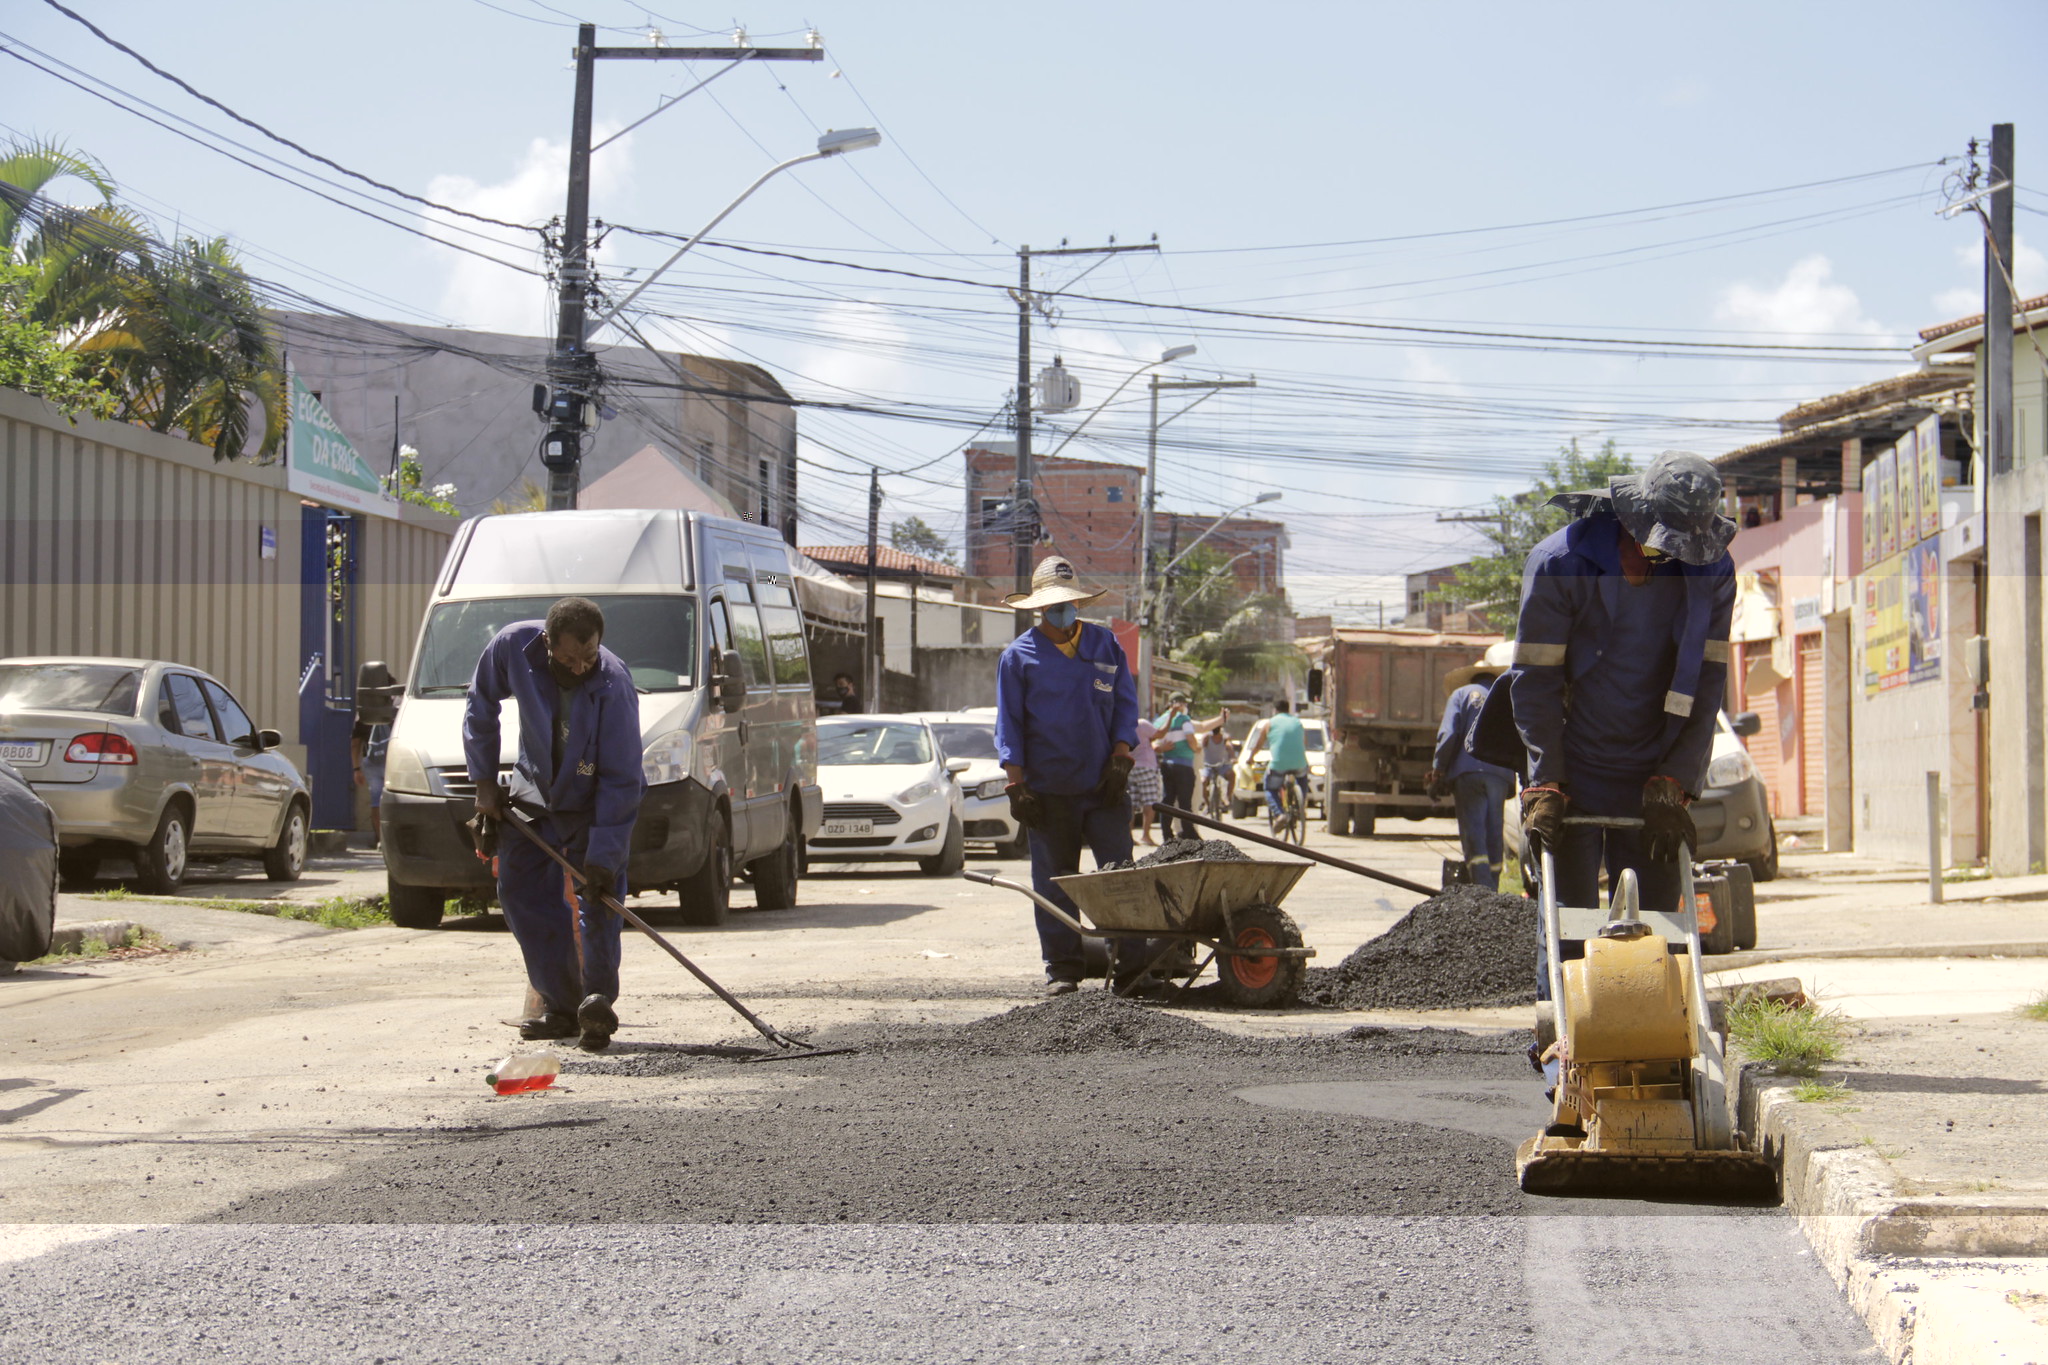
705	464
767	517
1116	492
993	512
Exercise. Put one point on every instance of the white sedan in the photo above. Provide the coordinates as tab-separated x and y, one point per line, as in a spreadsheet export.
889	793
984	789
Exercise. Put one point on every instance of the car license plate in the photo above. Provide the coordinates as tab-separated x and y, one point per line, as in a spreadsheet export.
22	751
845	828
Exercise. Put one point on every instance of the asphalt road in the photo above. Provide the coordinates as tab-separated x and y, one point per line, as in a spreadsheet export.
278	1151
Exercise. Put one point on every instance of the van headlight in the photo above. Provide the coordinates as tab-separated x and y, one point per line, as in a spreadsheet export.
1731	770
404	772
667	759
922	791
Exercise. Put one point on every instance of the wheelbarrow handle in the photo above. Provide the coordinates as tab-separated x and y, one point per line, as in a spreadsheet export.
991	879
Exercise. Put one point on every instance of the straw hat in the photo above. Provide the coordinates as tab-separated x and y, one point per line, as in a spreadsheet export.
1498	659
1053	581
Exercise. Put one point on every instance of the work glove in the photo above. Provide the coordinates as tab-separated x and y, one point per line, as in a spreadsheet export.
492	800
1116	778
1025	807
600	880
1543	814
483	835
1667	825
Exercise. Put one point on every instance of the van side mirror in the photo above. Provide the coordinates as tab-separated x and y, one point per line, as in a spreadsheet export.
1746	723
956	766
1315	684
732	683
268	739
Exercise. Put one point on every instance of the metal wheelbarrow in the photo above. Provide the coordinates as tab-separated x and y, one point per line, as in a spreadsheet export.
1230	908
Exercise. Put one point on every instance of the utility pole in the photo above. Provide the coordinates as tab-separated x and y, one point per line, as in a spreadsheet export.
1145	526
1024	513
1998	302
871	670
572	370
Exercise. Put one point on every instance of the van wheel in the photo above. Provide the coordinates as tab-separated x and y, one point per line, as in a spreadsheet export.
1765	867
704	898
775	876
286	859
952	855
162	861
415	907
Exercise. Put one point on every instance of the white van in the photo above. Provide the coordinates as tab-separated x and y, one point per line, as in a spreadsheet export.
703	611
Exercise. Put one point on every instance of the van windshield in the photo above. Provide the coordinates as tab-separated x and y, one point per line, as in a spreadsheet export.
656	636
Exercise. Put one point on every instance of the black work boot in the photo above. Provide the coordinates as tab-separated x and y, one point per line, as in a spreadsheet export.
598	1022
549	1025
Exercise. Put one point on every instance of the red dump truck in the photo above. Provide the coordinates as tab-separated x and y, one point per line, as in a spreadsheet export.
1383	692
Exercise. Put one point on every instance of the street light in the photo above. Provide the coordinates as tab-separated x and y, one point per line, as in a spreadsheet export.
834	143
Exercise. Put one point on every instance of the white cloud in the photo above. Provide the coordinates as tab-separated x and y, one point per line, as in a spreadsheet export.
866	354
478	293
2030	273
1808	304
1687	90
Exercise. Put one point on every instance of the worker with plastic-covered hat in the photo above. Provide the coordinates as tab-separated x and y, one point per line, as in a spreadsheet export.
1621	659
1066	723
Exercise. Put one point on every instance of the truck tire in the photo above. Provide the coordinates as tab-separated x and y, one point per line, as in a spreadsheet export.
704	898
1337	815
415	907
1261	982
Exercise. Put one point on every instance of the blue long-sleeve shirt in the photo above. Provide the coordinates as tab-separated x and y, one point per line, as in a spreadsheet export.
601	779
1614	682
1059	718
1452	759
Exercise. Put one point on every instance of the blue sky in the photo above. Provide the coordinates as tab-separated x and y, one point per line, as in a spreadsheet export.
1246	141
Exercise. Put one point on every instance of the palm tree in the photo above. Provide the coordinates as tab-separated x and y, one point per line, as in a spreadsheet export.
71	256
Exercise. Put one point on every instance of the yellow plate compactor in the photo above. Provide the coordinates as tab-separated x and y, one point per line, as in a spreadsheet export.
1642	1103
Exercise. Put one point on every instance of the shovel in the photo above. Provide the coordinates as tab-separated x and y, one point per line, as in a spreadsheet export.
791	1047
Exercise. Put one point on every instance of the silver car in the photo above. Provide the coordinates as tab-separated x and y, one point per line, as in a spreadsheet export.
151	760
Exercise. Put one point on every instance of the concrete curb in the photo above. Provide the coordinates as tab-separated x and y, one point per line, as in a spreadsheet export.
67	937
1735	962
1939	1280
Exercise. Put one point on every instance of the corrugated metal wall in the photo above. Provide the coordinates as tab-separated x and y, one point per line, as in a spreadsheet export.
118	541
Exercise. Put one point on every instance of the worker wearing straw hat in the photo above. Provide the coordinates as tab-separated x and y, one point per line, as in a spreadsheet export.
1479	789
1066	722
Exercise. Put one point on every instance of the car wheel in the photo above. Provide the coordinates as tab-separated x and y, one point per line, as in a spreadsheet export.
950	858
704	898
162	861
79	868
1765	866
284	860
775	876
415	907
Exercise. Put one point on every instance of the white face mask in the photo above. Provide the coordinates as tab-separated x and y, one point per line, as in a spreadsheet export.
1062	615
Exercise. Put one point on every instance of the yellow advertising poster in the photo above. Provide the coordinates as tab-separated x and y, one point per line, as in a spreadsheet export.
1928	437
1906	501
1884	626
1886	469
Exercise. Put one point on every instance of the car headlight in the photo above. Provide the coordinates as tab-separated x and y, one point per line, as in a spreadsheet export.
667	759
1731	770
992	788
922	791
404	772
1315	770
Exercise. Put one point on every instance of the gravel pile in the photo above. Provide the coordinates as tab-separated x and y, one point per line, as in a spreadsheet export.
1086	1021
1459	949
1185	850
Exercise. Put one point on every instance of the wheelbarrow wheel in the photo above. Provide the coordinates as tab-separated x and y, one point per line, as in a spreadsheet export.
1260	982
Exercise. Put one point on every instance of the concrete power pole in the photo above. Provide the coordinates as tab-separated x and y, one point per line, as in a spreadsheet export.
1024	513
871	670
1998	302
572	370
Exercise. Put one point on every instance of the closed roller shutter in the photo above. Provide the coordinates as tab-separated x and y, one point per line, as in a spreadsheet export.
1763	745
1813	725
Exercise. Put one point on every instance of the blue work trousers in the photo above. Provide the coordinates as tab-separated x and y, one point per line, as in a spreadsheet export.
1479	798
1583	849
1070	823
570	943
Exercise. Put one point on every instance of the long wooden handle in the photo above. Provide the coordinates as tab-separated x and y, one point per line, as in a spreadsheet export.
1361	869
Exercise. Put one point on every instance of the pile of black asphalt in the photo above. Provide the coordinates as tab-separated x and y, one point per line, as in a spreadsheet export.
1187	850
1460	949
1082	1109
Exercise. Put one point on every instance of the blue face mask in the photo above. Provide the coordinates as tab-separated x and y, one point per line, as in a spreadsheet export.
1062	615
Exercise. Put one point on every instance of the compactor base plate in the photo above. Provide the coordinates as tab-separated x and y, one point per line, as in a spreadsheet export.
1562	1167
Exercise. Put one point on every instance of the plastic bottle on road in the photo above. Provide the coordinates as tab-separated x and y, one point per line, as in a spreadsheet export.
527	1069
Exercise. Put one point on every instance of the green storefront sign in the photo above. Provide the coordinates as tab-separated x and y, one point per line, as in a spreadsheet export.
322	464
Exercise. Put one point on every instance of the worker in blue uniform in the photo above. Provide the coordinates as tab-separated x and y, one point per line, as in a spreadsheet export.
1066	723
1479	790
1621	661
579	778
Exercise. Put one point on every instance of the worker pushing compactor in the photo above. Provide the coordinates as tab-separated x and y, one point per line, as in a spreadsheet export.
579	777
1621	657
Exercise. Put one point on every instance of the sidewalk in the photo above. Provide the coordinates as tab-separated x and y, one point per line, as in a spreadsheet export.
1922	1186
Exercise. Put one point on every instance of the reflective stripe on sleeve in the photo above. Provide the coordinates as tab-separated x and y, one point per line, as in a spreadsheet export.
1677	703
1716	652
1539	656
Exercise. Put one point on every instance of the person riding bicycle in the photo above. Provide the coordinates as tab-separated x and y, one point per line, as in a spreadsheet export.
1217	752
1286	757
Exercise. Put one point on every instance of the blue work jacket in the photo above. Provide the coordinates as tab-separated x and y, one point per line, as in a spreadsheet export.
1452	759
1615	683
1058	718
601	779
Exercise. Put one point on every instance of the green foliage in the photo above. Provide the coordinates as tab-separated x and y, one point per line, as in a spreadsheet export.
2035	1009
31	359
916	537
406	486
135	942
1492	584
1797	1040
336	912
1821	1092
1205	622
